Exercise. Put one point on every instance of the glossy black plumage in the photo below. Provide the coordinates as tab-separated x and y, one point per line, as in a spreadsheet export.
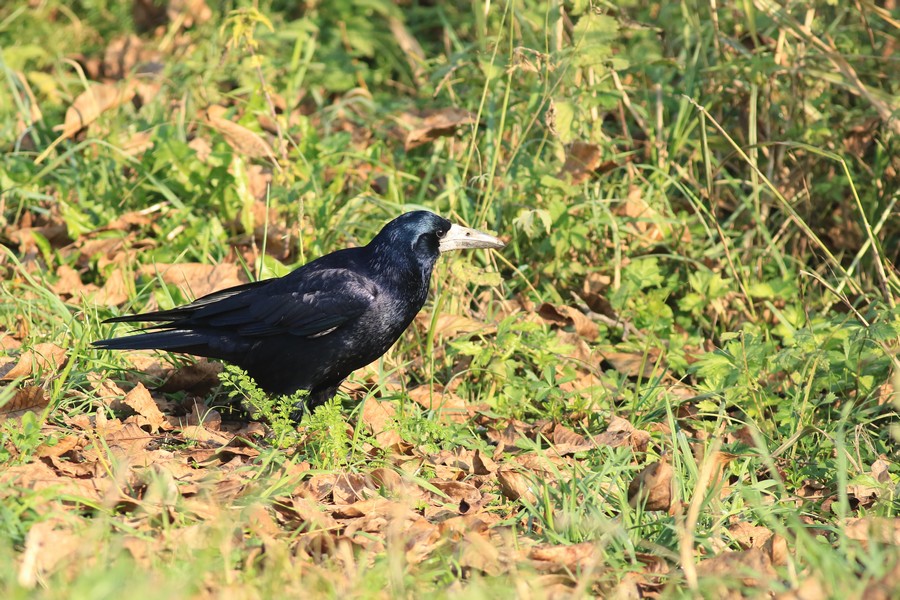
311	328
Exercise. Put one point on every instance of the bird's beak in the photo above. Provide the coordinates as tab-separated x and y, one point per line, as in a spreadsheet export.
460	238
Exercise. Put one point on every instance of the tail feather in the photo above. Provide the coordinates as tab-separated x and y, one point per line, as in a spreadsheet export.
180	340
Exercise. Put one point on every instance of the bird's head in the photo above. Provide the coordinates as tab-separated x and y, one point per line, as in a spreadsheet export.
426	236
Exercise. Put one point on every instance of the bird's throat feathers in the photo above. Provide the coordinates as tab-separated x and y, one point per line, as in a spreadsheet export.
407	272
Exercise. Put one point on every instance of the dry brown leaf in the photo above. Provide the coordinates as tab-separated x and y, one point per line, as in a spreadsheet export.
583	161
450	327
459	491
479	553
636	364
44	359
202	147
46	545
8	343
68	282
564	557
196	279
564	316
27	399
750	536
777	549
380	417
243	140
124	54
648	222
387	479
188	13
62	446
652	487
882	529
318	487
752	566
620	432
350	488
92	103
142	403
135	145
812	588
198	378
426	126
311	514
507	438
594	293
445	404
38	476
566	441
420	538
199	433
884	588
483	465
515	485
115	291
880	471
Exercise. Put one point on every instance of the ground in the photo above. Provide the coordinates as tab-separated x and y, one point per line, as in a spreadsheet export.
679	378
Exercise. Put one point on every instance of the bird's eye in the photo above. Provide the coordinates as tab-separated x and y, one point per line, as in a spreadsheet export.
441	233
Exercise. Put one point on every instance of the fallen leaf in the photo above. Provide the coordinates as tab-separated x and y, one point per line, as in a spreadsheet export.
39	476
620	432
311	514
380	417
647	222
445	404
884	588
652	487
135	145
93	102
459	491
751	566
350	488
449	327
188	13
636	364
198	377
566	441
46	545
44	359
564	557
115	291
68	282
142	403
880	471
583	161
124	54
426	126
594	293
27	399
881	529
243	140
564	316
749	536
199	433
196	279
515	486
478	553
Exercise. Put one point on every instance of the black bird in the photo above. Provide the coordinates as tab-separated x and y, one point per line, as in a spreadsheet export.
313	327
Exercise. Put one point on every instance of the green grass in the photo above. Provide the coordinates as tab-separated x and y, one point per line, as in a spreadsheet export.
732	252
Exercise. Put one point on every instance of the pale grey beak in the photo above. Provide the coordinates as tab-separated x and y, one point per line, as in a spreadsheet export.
460	238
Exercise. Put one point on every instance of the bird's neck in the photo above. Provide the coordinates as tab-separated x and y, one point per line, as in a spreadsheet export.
407	275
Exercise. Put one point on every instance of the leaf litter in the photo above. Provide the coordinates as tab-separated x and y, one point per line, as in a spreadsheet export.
143	454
